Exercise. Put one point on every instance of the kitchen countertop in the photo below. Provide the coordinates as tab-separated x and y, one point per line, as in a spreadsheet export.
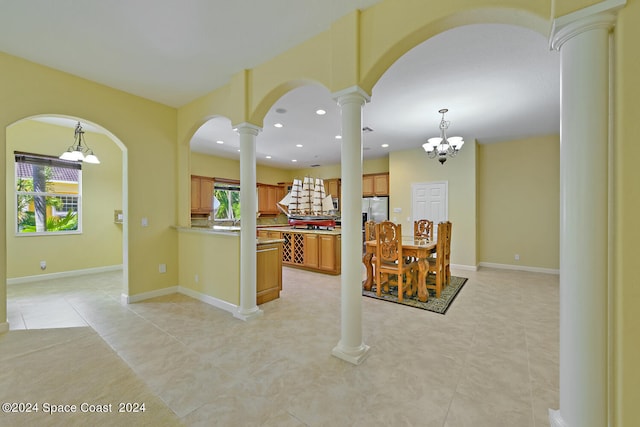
289	229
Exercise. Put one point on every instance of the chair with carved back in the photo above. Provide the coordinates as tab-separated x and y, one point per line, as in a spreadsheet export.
370	234
369	230
389	258
423	228
447	256
437	263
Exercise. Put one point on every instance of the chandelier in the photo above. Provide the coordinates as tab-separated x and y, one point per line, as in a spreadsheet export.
76	152
441	147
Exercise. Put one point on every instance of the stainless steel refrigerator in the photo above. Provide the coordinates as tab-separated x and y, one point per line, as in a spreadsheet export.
375	208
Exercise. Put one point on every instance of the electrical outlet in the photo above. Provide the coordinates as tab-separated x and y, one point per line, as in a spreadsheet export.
517	257
162	268
197	278
43	265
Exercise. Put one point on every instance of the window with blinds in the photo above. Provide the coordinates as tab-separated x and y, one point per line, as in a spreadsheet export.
48	194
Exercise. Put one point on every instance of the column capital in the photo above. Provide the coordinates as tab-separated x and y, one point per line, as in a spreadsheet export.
351	94
601	15
247	128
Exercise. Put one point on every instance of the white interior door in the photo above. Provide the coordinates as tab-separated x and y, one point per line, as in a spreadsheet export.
429	201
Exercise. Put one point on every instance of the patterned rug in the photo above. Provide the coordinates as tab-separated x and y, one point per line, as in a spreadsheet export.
437	305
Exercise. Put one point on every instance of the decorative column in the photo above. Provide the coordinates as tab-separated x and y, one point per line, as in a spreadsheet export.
350	347
583	41
248	208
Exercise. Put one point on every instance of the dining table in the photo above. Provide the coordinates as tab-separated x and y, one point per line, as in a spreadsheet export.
418	248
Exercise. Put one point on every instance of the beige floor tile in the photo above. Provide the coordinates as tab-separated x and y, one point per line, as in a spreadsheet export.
491	360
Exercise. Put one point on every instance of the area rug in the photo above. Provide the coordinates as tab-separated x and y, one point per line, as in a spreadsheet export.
437	305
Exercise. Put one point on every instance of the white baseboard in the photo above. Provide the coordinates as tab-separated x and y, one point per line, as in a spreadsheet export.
130	299
520	268
62	274
465	267
207	299
216	302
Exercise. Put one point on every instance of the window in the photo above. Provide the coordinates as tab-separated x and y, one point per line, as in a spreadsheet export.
226	201
47	194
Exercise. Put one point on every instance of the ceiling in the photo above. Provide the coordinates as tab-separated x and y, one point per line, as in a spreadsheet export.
499	82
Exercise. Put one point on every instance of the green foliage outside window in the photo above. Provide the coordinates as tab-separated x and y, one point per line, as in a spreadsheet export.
226	204
34	197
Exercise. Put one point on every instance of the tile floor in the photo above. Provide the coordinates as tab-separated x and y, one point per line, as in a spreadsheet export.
491	360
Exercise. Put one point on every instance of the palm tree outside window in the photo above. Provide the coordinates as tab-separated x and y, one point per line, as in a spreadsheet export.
47	194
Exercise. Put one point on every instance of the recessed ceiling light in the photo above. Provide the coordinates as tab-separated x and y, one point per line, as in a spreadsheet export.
238	150
338	136
219	142
321	112
385	145
299	145
278	125
268	157
294	160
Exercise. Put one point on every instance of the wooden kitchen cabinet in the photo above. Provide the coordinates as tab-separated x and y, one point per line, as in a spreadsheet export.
269	234
332	186
312	250
268	271
329	252
375	184
268	196
201	195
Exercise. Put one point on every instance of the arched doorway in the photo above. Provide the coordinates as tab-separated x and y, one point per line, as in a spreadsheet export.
85	234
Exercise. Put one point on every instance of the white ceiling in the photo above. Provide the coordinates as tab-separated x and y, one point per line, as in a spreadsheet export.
499	82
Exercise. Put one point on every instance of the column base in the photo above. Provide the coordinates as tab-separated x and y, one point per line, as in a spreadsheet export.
4	327
352	355
248	315
555	419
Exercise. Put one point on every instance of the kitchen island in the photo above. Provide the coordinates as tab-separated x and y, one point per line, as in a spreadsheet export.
315	250
209	258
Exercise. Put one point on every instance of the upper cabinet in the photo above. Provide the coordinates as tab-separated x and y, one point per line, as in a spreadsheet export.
375	184
268	197
201	195
332	186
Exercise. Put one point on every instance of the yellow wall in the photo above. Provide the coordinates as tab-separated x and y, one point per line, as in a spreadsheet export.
625	214
215	259
220	167
101	194
379	165
413	166
519	202
147	130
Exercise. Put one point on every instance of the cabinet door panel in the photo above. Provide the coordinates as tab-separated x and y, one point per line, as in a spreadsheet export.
327	248
311	255
367	186
381	185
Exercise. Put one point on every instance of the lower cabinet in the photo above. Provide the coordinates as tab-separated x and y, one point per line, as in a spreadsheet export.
269	272
312	251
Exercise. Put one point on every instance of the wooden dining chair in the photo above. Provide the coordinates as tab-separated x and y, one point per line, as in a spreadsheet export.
369	230
447	256
423	228
389	259
370	234
437	263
